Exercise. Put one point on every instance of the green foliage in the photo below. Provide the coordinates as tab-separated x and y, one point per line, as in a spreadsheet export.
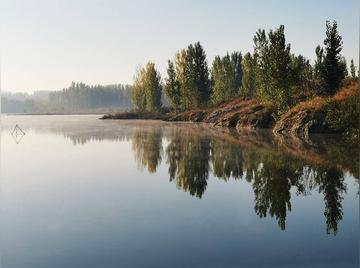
226	77
248	78
147	88
197	75
302	78
138	97
78	97
188	83
343	116
188	96
352	69
172	87
153	88
330	65
273	72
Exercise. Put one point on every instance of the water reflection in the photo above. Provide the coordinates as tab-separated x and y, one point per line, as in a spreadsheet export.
188	158
147	147
275	167
270	170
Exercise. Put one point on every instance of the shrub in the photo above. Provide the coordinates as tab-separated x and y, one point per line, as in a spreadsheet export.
343	115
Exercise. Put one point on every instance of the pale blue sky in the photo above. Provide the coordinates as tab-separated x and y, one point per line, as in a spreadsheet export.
46	44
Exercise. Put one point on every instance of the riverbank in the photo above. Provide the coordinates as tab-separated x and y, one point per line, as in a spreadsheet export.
338	114
239	113
331	115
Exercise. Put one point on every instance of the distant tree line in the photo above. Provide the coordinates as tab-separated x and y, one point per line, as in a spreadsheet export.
271	73
78	97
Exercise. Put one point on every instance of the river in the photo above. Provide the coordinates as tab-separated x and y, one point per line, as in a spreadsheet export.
81	192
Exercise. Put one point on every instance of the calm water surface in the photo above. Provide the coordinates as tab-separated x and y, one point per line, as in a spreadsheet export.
81	192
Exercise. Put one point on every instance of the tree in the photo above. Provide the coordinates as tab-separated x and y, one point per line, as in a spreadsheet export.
352	69
196	74
172	87
302	77
138	97
248	78
272	72
318	67
332	67
261	63
153	88
226	77
193	76
146	91
187	96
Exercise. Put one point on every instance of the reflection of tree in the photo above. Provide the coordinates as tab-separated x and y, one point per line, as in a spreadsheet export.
273	167
272	182
147	147
188	157
271	172
331	184
251	164
227	160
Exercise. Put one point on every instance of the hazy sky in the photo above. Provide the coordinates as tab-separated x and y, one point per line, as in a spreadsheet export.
46	44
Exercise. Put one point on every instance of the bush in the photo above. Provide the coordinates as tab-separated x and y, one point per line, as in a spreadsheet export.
343	116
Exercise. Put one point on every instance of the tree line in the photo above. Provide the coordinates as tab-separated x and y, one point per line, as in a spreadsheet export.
78	97
271	74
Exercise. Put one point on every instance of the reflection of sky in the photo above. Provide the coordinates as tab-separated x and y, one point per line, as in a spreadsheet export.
89	206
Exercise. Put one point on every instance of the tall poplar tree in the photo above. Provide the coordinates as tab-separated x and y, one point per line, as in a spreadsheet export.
197	75
146	90
172	87
153	88
138	97
273	71
248	78
226	77
333	66
352	69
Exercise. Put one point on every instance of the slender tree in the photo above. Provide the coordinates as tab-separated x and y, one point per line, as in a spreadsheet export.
273	72
333	66
146	90
153	88
138	97
226	77
197	75
172	87
248	78
187	95
302	78
352	69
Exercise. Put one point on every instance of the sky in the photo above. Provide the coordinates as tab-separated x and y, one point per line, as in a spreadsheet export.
46	44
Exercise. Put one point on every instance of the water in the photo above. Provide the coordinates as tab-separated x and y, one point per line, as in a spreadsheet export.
81	192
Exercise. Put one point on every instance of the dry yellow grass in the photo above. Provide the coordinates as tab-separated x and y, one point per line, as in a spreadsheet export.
318	103
347	92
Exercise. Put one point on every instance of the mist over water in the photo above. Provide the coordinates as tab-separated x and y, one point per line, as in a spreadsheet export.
81	192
